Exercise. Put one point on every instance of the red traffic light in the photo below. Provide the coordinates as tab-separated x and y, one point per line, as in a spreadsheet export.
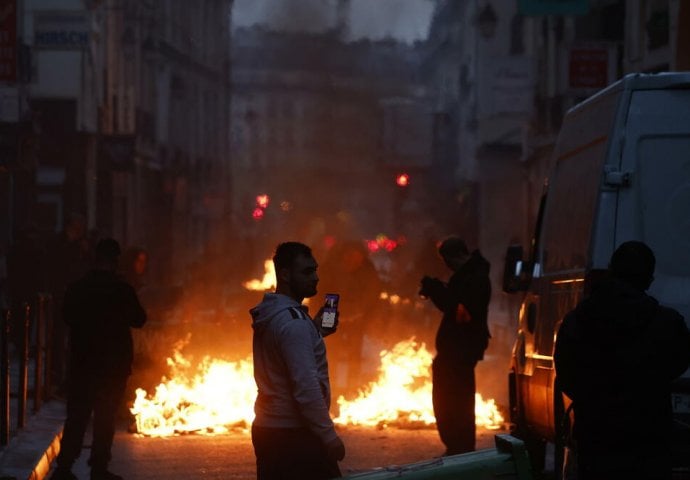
402	180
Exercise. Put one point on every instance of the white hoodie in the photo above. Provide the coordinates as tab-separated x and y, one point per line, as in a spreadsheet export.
290	368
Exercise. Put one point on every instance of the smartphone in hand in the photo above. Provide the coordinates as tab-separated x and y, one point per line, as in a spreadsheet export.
329	310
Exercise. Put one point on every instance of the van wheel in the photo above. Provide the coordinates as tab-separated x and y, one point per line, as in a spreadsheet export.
536	446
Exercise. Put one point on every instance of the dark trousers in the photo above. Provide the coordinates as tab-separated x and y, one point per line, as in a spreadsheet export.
90	393
291	453
453	399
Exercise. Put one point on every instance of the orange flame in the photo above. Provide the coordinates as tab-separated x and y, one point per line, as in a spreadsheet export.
268	282
219	395
402	394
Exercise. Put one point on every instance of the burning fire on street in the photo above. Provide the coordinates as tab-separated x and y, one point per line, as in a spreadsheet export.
211	398
402	394
218	396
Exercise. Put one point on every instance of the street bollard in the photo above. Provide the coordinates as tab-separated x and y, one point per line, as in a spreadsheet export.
5	377
23	368
39	375
48	324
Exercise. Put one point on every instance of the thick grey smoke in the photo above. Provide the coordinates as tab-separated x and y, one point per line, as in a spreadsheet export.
404	20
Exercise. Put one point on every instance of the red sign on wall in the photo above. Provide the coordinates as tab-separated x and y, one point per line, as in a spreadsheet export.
589	67
8	41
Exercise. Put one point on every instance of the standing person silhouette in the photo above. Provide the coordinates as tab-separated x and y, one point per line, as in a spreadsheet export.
616	354
68	259
461	340
293	434
99	309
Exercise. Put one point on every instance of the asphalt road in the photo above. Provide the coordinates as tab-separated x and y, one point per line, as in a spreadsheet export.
231	456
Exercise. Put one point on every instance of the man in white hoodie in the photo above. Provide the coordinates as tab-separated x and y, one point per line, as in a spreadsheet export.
293	434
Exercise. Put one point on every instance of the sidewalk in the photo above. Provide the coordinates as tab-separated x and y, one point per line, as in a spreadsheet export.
31	451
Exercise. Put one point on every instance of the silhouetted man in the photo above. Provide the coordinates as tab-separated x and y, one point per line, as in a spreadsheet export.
99	309
68	259
616	354
461	340
293	434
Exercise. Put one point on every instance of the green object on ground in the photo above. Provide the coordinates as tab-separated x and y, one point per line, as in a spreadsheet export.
507	461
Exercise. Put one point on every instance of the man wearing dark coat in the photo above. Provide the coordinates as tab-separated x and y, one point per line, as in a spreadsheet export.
99	310
616	354
461	340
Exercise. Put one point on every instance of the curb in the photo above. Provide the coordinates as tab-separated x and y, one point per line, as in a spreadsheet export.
32	450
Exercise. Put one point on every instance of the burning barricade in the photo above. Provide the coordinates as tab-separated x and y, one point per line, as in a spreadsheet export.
217	396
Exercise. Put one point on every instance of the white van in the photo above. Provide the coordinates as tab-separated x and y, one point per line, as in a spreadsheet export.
620	171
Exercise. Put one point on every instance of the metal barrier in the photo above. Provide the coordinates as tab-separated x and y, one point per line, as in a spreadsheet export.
5	377
32	351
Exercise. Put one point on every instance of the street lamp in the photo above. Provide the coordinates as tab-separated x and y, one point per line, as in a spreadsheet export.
487	21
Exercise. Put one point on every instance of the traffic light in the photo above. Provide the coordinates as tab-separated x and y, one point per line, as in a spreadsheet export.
402	180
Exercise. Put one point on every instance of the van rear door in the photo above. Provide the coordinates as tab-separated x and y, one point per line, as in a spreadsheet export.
655	208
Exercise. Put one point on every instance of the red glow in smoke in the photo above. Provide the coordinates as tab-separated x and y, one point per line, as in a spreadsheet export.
372	245
328	241
262	200
258	213
382	242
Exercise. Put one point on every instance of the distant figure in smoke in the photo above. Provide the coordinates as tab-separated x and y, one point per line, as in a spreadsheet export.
293	434
461	340
100	309
616	354
134	266
349	272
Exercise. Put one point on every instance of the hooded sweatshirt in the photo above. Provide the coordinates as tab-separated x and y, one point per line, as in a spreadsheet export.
456	340
616	355
290	368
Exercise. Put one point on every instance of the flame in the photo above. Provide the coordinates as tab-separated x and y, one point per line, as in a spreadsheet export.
218	395
402	394
266	283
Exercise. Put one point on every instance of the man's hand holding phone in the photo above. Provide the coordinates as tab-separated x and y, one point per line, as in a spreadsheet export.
327	318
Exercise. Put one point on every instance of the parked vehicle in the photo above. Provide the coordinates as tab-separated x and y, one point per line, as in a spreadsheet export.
620	171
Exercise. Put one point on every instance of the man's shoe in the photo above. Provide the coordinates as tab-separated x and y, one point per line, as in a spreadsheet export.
104	475
63	474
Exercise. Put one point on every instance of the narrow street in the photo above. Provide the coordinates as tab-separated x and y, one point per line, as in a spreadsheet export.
231	456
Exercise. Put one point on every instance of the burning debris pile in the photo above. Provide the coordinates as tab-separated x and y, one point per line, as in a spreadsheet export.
212	398
401	397
218	396
402	394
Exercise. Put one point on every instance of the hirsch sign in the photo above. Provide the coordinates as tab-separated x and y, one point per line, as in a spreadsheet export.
61	30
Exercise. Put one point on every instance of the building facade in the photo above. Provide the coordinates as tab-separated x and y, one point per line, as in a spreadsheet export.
126	105
504	73
322	127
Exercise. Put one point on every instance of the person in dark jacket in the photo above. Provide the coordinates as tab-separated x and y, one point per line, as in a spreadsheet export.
461	340
99	310
293	434
616	354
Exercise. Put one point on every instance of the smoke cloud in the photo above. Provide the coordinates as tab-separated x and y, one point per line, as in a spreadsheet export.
403	20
